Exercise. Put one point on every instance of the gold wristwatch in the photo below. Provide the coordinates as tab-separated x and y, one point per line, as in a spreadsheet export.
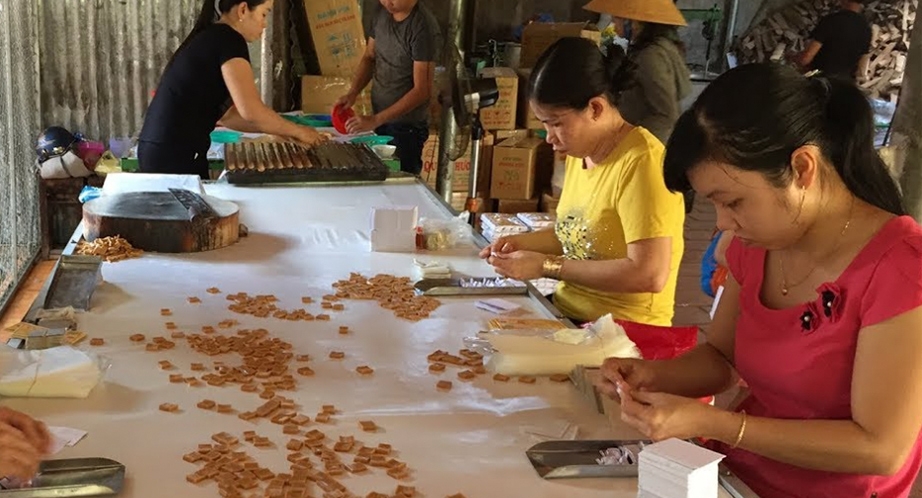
552	266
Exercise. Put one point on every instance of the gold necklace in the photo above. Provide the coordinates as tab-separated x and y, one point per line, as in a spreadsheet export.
785	289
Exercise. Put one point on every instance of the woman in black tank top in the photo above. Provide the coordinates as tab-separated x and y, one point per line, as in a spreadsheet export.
210	81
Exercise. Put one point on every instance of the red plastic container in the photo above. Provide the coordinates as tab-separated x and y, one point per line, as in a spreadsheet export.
90	152
341	116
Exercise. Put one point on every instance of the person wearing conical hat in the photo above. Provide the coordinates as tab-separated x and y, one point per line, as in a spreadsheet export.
662	77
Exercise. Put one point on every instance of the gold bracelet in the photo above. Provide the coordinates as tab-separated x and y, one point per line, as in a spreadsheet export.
552	267
741	433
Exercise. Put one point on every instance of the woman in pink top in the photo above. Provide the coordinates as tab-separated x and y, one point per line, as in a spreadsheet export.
822	313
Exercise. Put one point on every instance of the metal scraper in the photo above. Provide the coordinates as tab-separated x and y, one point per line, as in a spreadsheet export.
194	204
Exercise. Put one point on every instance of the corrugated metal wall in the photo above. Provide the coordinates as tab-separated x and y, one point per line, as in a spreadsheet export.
19	212
100	59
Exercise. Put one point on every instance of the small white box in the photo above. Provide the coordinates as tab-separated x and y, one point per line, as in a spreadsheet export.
676	468
394	229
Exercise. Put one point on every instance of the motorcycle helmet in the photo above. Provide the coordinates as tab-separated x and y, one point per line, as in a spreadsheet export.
54	142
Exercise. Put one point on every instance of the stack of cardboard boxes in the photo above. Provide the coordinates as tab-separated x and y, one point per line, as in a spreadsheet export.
339	41
517	160
516	165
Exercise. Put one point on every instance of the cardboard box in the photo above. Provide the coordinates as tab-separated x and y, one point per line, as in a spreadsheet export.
502	135
394	229
549	203
338	35
502	115
508	206
462	174
526	118
320	93
537	37
519	164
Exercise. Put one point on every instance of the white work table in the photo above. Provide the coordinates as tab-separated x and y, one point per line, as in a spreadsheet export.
302	239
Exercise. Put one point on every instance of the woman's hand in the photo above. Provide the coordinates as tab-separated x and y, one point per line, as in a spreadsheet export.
309	136
362	124
640	375
502	245
661	416
23	444
519	265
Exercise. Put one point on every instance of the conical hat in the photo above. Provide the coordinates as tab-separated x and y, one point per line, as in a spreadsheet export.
658	11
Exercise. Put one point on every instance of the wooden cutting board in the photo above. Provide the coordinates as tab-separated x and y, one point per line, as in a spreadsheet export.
159	222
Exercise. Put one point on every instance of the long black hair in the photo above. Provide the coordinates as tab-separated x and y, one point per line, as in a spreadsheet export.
210	13
755	116
573	71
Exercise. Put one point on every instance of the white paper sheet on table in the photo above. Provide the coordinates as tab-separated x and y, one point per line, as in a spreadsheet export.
497	306
120	183
62	437
301	241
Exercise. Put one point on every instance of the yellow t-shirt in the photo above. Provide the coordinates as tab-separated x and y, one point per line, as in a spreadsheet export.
602	210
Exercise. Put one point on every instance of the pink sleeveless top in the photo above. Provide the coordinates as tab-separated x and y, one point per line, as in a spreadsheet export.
798	361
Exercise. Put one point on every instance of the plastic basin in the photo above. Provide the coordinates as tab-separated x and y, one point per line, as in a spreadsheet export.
372	140
225	136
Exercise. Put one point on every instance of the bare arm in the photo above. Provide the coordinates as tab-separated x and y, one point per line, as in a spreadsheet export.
720	252
233	120
645	269
254	114
707	369
805	59
542	241
886	411
423	76
864	67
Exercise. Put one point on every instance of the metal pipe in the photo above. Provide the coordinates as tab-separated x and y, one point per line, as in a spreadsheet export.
907	135
455	37
445	172
266	65
733	14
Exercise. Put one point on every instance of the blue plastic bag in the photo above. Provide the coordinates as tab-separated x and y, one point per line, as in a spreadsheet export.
88	194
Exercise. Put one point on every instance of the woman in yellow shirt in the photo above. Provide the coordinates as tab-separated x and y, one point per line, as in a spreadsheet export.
618	240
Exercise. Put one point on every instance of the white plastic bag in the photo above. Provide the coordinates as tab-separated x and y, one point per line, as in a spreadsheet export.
61	372
439	235
559	352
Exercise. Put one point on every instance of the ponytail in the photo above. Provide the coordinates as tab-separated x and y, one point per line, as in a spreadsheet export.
755	116
574	71
849	145
211	12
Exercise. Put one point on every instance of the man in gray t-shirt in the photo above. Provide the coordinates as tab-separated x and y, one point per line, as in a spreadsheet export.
403	48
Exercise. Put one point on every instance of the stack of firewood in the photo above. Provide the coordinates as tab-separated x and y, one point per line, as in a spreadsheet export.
787	30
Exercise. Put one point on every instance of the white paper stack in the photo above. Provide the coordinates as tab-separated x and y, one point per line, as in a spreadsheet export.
394	229
678	469
499	225
432	269
538	221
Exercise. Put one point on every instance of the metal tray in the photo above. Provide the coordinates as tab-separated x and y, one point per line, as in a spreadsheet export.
74	282
453	287
573	459
577	459
73	478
